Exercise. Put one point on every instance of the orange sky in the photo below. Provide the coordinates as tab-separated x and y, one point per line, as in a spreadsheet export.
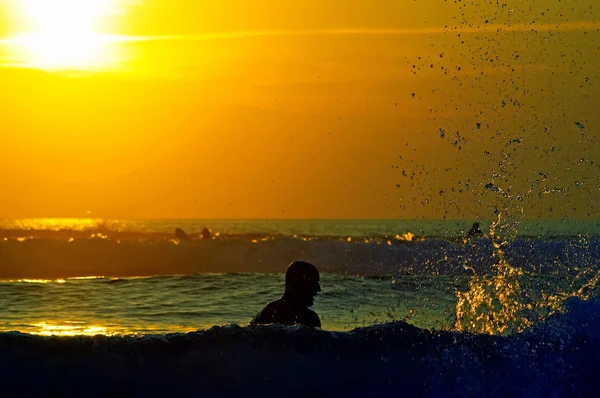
272	110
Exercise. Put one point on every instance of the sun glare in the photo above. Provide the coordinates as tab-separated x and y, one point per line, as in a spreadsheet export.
64	34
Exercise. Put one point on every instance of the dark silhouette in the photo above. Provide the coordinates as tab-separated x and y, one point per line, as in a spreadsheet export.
181	234
301	286
205	234
474	232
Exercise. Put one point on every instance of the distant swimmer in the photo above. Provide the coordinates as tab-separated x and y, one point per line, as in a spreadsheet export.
301	286
181	234
205	234
474	232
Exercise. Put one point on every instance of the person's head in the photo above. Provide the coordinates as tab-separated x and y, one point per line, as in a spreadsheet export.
302	282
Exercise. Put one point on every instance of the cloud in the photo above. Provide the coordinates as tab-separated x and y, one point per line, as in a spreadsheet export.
16	41
487	28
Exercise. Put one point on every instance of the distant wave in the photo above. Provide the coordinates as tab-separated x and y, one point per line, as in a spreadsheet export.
124	235
558	358
121	230
116	280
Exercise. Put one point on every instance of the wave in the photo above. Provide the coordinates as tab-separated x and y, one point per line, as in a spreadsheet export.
64	228
52	258
557	358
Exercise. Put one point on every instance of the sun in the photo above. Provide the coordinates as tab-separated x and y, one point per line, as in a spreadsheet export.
64	34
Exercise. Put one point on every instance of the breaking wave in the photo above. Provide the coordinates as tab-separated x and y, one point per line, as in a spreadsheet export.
59	258
559	357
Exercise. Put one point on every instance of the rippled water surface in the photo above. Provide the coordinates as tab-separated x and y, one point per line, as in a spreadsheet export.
186	303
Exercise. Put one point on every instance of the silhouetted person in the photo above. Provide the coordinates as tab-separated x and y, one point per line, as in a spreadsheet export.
205	234
301	286
181	234
474	232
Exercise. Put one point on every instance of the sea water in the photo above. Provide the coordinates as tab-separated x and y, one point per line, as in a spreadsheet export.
184	303
411	306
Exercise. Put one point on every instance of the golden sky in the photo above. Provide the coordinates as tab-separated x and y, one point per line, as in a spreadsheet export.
321	109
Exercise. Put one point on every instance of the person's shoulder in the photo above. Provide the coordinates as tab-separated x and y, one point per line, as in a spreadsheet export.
267	313
311	318
273	306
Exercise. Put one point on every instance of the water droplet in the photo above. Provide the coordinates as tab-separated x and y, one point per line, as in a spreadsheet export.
491	187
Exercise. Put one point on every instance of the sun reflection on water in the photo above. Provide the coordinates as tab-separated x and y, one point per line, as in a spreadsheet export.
83	328
71	329
87	277
46	281
57	224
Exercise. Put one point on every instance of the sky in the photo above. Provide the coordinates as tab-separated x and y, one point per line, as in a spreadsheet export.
321	109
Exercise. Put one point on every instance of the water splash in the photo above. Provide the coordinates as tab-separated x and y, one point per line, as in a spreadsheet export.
513	300
492	305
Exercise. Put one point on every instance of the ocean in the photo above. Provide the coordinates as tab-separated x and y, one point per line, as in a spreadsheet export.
408	307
